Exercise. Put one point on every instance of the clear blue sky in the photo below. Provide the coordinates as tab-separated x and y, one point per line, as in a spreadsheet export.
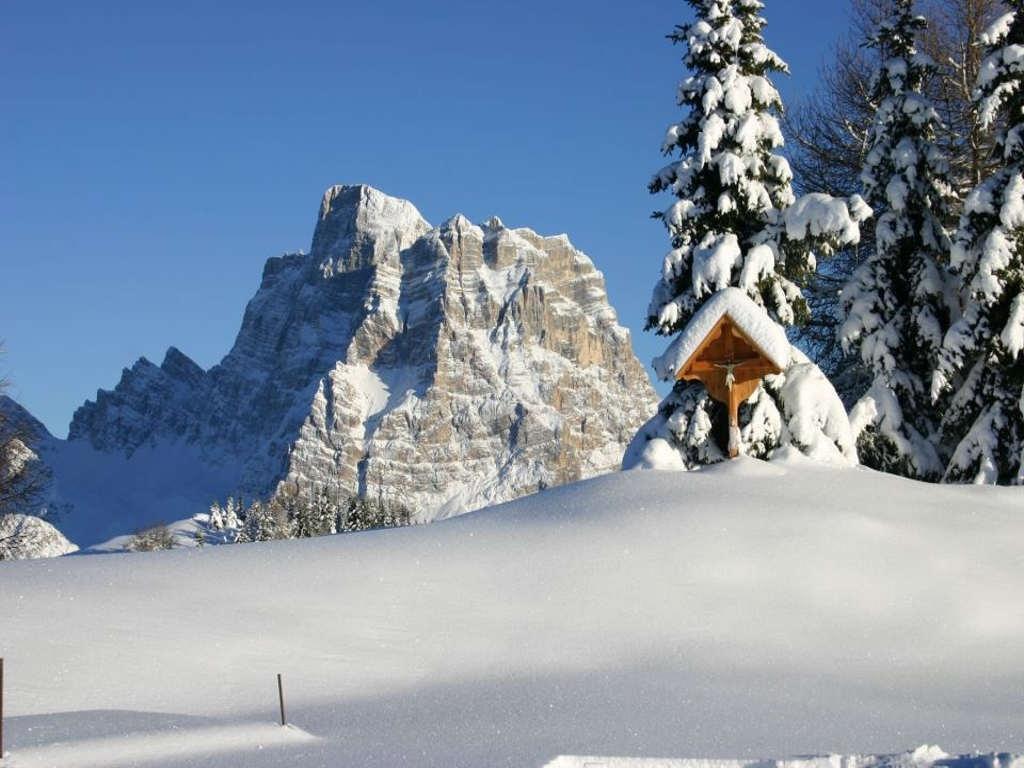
153	155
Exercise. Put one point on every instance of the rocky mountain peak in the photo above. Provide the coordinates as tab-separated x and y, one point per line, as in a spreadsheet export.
447	367
359	226
180	366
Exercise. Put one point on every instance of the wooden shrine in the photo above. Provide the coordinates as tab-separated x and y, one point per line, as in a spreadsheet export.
731	366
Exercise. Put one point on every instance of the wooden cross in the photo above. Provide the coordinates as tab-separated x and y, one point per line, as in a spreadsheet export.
731	366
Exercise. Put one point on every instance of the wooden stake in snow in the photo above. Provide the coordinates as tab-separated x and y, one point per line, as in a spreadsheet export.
1	709
280	697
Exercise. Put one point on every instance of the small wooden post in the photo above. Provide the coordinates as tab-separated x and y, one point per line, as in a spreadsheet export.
1	709
280	697
734	423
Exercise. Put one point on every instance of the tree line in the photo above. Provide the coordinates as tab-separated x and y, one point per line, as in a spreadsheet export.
916	139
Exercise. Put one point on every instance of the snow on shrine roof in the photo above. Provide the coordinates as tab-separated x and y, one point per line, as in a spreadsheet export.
751	319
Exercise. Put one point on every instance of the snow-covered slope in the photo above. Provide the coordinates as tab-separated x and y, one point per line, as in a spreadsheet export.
745	610
448	368
24	536
925	756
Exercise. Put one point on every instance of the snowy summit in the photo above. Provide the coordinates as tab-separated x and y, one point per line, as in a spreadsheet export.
446	367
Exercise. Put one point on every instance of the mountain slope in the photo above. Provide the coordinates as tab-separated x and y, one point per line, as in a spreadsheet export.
447	368
744	610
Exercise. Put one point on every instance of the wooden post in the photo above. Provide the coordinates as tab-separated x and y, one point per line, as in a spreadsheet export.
1	709
280	697
734	423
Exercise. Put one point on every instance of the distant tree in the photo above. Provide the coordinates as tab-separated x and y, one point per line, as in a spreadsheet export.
152	538
221	524
897	304
981	363
265	521
365	514
296	513
313	513
23	478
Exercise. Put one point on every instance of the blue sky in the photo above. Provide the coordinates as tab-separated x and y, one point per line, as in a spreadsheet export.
153	155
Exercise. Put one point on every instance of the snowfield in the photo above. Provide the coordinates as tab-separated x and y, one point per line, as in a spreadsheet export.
747	610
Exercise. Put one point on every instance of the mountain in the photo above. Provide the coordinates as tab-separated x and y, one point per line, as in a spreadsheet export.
448	367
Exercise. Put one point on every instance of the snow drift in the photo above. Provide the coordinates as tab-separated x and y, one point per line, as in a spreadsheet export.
744	610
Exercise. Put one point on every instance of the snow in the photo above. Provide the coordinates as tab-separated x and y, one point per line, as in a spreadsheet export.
24	536
817	214
659	454
713	261
1012	213
1013	332
111	494
366	385
814	416
743	610
748	316
880	408
206	745
925	756
998	30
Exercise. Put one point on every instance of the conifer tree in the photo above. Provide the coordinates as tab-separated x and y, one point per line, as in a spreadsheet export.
896	304
982	357
264	522
215	520
736	224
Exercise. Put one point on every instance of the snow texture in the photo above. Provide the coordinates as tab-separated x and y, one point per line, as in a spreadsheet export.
183	743
925	756
23	537
744	609
819	215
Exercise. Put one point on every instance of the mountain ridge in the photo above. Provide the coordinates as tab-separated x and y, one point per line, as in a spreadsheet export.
450	367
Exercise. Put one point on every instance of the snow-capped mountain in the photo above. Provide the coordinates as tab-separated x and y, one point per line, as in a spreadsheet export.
448	367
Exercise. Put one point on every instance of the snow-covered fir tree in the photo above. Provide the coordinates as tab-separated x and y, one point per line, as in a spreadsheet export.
233	514
222	524
982	356
314	514
897	304
736	223
264	522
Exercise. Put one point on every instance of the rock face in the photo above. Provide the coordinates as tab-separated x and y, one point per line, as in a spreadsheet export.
447	367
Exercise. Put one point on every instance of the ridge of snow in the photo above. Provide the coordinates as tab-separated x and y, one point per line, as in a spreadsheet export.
779	608
924	756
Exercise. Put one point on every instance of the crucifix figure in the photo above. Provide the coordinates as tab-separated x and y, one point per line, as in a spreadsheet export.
729	368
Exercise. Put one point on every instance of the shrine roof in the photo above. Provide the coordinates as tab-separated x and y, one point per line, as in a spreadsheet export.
749	318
